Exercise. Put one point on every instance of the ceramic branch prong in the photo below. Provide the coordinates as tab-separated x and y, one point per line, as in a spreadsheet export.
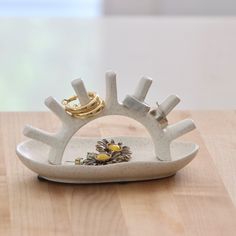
40	135
136	102
142	88
162	110
111	89
180	128
58	110
80	91
169	104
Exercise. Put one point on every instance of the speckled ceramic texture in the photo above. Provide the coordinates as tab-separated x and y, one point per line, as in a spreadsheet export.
142	166
157	158
133	106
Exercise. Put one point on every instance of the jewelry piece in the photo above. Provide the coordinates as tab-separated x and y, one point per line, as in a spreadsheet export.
77	107
109	153
163	121
92	108
159	116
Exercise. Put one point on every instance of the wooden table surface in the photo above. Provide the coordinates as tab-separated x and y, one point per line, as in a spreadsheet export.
198	200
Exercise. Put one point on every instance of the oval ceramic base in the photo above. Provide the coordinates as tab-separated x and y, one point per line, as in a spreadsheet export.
143	165
100	181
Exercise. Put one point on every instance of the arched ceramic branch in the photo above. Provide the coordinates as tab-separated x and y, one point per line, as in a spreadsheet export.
133	107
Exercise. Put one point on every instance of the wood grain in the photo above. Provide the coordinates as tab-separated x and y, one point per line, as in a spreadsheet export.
199	200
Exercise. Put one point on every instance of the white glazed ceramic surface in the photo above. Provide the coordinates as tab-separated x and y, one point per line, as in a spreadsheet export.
143	165
133	106
153	159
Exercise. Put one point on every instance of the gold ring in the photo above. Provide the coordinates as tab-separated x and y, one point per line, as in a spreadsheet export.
92	108
94	98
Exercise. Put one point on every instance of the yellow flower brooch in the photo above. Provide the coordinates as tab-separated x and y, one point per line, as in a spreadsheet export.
108	153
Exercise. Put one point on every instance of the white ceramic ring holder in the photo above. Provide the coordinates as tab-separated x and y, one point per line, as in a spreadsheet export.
133	107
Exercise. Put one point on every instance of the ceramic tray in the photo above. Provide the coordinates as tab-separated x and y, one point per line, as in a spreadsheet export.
142	166
52	155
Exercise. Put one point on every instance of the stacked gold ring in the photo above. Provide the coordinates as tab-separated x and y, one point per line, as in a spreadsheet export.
92	108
